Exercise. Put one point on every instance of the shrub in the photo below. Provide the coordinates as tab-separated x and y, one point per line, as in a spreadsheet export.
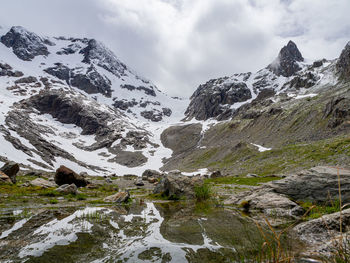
203	192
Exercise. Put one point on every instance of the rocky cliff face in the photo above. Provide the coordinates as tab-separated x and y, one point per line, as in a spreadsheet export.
343	64
219	98
72	101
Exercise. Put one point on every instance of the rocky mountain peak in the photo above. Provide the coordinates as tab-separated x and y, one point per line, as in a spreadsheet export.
343	64
26	45
286	63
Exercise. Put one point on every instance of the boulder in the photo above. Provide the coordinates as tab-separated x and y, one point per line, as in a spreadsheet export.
317	184
268	202
10	169
177	186
150	173
139	182
320	234
65	175
120	197
42	183
67	189
4	178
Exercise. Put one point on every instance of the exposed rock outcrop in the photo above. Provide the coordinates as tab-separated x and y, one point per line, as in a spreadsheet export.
343	63
286	64
215	97
91	81
26	45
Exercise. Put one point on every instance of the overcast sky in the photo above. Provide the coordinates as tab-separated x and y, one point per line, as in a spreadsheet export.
179	44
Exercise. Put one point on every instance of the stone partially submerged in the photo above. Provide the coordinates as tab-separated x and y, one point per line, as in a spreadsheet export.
176	186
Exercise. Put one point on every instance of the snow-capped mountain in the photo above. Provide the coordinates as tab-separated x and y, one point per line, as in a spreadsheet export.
289	74
72	101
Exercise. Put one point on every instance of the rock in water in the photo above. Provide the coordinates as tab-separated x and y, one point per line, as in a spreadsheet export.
177	186
42	183
10	169
67	189
120	197
65	175
4	178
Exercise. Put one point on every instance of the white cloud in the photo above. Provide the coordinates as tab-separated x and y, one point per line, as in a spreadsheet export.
181	43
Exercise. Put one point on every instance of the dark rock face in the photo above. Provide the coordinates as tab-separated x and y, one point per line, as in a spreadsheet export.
26	80
148	91
70	111
209	99
96	52
154	115
343	64
338	110
26	45
286	62
65	175
176	186
150	173
305	81
91	82
6	70
124	104
10	169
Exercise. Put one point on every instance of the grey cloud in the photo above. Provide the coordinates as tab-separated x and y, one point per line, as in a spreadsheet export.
179	44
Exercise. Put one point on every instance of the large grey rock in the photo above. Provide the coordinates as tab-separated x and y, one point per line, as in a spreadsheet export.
320	234
26	45
39	182
10	169
178	186
67	189
139	182
317	185
268	202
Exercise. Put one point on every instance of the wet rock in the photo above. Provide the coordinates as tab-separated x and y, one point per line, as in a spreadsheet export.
65	175
39	182
10	169
286	64
120	197
177	186
139	182
5	178
67	189
26	45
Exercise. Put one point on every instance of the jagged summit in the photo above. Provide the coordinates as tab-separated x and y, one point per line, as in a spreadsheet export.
26	45
286	63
